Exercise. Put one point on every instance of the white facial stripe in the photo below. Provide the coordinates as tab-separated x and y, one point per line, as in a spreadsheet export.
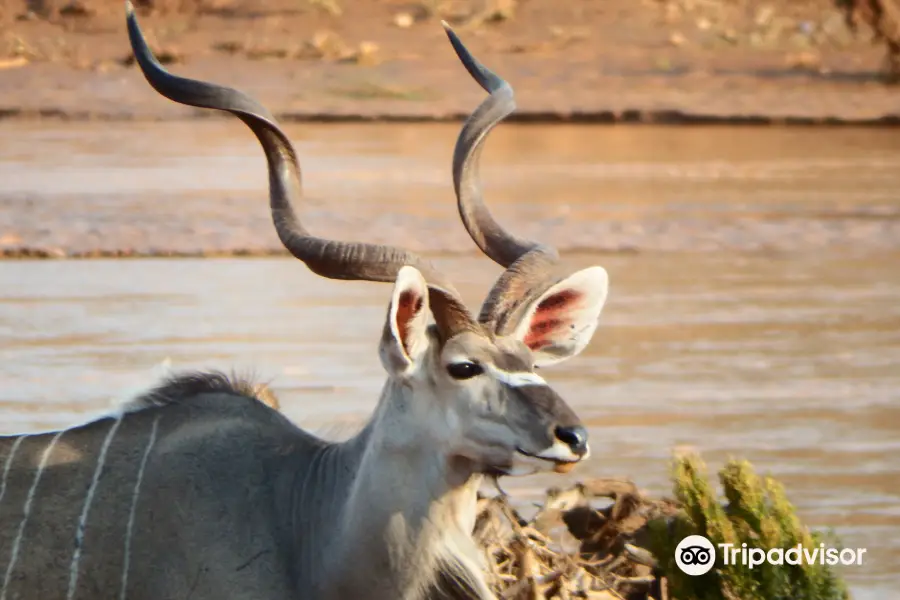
517	379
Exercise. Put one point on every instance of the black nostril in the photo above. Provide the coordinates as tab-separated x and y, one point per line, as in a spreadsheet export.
574	437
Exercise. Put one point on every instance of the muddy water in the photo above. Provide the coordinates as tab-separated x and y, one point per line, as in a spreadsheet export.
788	356
200	185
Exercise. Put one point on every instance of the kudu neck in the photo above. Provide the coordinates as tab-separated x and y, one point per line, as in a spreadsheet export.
407	511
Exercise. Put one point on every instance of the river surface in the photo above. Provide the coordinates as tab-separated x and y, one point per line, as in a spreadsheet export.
764	324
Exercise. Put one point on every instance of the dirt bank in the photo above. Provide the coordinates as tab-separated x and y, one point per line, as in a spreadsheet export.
388	59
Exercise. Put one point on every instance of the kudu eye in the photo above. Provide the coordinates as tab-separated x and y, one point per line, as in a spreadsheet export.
464	370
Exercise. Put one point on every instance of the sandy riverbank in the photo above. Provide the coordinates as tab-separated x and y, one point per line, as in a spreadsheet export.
617	60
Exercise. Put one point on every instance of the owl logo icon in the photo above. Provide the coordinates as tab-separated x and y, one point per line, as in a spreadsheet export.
695	555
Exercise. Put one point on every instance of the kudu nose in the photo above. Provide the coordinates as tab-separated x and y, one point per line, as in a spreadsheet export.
574	437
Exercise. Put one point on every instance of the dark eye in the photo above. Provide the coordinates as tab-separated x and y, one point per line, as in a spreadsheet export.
464	370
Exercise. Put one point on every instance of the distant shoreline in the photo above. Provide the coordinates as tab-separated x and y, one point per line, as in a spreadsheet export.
601	117
616	62
407	92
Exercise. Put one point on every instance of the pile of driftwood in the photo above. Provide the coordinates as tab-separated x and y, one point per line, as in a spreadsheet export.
583	542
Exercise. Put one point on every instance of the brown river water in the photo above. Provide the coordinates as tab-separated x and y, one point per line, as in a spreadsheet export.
756	313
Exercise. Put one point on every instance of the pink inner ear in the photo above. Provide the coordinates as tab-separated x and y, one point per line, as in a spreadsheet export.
409	304
549	316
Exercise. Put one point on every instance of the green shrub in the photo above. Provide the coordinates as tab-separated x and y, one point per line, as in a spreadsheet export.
754	511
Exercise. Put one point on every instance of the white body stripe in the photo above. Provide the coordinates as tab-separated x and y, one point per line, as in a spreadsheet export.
8	465
516	379
31	492
134	500
82	520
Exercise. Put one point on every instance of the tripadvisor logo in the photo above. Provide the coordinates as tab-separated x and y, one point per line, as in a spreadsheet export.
696	555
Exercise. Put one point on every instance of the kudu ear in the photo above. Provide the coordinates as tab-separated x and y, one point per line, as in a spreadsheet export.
405	337
560	322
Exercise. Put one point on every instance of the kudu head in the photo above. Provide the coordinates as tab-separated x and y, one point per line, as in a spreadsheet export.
468	384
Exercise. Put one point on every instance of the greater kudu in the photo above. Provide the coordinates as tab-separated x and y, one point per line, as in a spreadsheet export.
197	489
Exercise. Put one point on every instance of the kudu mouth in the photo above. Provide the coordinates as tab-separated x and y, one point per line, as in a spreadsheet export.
560	457
525	463
562	441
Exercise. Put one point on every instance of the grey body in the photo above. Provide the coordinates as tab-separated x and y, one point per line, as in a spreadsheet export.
234	501
216	458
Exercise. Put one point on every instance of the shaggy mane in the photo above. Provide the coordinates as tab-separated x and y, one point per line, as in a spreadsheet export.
176	388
